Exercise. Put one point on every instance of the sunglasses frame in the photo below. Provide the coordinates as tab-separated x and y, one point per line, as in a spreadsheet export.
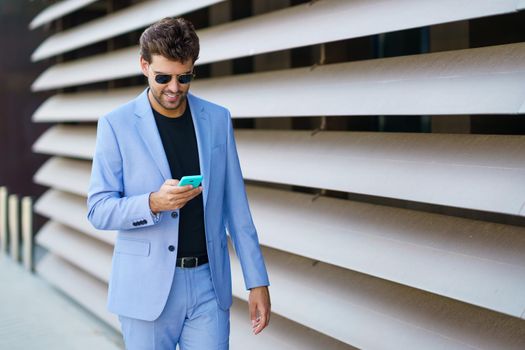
177	76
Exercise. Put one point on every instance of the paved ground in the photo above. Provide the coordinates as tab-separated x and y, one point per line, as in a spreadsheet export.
34	315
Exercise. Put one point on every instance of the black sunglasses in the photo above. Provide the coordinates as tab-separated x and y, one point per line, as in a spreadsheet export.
181	78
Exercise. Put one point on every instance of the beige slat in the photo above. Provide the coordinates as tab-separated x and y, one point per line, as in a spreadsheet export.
355	308
131	18
67	140
286	29
67	175
26	223
84	106
57	10
87	290
402	238
283	29
471	265
281	334
70	210
485	80
443	169
446	169
444	255
14	226
4	233
91	255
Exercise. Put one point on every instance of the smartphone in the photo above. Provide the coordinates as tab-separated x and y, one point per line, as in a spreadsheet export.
194	180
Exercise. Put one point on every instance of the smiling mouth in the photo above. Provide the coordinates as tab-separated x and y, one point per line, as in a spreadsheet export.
172	97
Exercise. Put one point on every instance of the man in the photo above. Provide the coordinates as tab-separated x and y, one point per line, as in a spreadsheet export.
171	281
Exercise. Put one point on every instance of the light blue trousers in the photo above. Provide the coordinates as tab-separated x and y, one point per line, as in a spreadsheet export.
192	318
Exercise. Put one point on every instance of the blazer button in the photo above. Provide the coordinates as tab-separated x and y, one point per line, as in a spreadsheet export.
171	248
174	214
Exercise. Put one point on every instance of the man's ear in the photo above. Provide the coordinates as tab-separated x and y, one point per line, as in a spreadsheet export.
144	66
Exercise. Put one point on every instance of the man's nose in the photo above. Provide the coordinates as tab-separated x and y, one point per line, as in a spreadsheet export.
173	85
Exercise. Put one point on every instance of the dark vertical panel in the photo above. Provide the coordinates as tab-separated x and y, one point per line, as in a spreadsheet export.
498	124
76	18
355	49
395	44
201	19
242	9
303	57
72	20
497	30
18	103
17	73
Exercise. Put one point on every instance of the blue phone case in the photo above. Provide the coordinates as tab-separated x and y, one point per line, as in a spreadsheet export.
194	180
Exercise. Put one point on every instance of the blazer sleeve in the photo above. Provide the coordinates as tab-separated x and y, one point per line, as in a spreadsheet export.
238	219
108	208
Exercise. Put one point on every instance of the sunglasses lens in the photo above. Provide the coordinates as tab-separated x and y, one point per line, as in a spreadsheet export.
162	78
185	78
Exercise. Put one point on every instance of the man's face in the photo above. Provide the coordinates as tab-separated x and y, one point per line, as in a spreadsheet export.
168	99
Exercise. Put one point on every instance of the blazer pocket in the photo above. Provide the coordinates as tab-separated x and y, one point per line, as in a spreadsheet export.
132	247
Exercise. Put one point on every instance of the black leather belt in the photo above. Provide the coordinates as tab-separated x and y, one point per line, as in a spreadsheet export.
192	261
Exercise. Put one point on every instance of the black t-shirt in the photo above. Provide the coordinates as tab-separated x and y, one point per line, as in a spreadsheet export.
180	144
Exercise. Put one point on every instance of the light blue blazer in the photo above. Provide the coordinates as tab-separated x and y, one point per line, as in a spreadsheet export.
129	163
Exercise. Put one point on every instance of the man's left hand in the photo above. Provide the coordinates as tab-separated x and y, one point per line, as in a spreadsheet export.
259	305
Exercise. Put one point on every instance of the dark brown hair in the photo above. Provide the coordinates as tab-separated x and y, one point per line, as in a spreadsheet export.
173	38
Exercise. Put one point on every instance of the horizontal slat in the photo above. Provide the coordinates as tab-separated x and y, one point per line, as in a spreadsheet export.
114	65
355	308
91	293
281	334
265	33
379	164
368	312
422	239
79	285
89	254
70	210
476	81
57	10
286	29
437	253
445	169
84	106
66	140
67	175
282	29
442	169
123	21
237	274
89	257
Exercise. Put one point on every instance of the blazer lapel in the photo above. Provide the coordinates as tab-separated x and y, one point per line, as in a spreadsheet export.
201	122
147	129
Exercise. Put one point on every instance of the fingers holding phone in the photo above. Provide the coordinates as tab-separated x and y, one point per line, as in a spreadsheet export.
174	194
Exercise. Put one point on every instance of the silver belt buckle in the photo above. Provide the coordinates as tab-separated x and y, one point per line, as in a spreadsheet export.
189	259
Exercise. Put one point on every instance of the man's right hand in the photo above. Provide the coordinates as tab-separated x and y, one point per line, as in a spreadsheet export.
171	196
